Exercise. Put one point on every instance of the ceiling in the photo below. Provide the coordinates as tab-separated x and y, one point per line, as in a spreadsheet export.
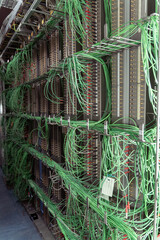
8	3
4	12
6	7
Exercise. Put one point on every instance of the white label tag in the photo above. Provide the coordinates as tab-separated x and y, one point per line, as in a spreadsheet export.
108	186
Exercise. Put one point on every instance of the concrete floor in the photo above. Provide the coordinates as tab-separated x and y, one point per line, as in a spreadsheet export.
15	224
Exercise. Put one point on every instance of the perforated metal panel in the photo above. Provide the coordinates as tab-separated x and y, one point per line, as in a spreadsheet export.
34	64
128	83
137	87
93	156
69	48
43	58
54	49
94	72
128	90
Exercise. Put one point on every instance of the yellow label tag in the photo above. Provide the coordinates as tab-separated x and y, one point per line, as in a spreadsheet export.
42	21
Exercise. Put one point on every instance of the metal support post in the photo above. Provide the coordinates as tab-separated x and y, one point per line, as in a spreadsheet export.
157	143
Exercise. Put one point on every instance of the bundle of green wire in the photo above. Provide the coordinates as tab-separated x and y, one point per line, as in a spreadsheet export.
76	76
17	168
16	67
14	98
113	160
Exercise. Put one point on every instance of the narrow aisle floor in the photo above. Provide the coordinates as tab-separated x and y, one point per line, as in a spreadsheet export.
15	223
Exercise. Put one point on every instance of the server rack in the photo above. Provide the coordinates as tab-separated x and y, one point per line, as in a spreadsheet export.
52	119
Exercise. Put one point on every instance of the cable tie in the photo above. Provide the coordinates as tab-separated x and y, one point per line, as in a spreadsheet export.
141	132
87	204
105	218
69	121
49	119
88	124
106	128
61	120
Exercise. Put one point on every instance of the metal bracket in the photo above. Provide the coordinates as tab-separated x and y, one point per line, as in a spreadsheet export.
106	128
141	132
41	12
